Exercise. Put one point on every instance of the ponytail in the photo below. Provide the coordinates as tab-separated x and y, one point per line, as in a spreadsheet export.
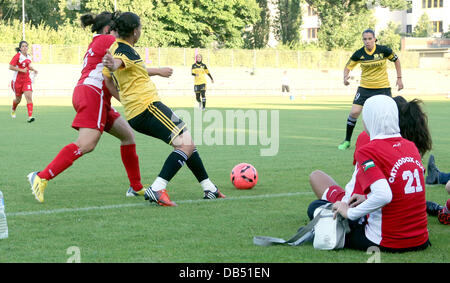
98	22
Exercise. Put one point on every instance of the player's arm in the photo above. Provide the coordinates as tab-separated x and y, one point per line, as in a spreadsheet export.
17	69
398	68
32	69
111	86
162	72
209	74
351	64
112	63
346	76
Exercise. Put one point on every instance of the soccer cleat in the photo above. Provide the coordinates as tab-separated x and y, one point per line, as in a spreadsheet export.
433	208
433	172
30	119
344	145
13	114
160	197
37	186
212	195
133	193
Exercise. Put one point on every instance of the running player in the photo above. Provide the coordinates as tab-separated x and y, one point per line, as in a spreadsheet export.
199	70
391	174
148	115
21	83
94	114
374	77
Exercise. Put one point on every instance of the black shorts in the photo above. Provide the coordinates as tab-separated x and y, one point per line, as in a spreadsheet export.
362	94
158	121
199	88
284	88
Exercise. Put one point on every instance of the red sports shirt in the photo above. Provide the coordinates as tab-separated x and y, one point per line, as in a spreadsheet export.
23	62
402	223
92	64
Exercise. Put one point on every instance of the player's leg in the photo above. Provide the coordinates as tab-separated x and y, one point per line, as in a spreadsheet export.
320	182
17	98
203	94
29	97
351	124
122	130
86	142
197	96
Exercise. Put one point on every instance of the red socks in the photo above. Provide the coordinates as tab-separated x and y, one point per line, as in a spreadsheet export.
14	106
131	162
30	109
61	162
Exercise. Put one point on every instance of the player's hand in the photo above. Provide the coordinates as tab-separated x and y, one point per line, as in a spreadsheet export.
24	70
165	72
356	199
108	61
341	208
346	78
212	80
399	84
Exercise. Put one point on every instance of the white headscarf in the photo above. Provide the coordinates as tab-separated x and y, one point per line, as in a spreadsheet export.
380	115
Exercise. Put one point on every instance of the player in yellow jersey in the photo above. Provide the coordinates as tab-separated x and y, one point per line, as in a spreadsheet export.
126	73
374	77
199	70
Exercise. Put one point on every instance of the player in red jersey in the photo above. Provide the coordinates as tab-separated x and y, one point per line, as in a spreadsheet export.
21	83
92	102
391	174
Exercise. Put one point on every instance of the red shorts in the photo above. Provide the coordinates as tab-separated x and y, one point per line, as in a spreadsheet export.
94	111
19	87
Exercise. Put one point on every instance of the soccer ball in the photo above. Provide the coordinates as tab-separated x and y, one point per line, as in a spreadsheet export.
244	176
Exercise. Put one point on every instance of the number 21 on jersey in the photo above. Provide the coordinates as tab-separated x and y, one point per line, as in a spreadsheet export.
410	177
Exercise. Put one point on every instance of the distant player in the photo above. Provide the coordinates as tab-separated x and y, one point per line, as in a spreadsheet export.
199	70
148	115
21	83
94	114
374	77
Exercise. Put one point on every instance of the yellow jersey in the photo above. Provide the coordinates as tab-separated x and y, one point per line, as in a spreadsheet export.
373	65
200	70
135	87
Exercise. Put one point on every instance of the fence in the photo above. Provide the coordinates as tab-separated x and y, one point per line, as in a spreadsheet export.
264	58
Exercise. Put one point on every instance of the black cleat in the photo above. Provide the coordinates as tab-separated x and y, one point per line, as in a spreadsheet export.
433	172
433	208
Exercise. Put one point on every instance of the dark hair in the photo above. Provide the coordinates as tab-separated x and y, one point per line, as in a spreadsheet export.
98	22
414	123
369	30
20	45
125	24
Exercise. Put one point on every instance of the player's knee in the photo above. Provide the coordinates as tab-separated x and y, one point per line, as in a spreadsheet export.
314	175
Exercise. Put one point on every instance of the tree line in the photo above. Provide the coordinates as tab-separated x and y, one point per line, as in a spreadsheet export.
204	23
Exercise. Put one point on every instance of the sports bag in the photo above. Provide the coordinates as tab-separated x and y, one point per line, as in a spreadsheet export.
325	232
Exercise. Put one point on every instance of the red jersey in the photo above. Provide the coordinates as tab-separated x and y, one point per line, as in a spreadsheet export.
23	62
92	63
402	223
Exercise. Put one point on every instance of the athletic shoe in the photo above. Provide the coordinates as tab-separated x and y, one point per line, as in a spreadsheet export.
433	172
344	145
212	195
160	197
13	114
38	186
30	119
433	208
133	193
444	216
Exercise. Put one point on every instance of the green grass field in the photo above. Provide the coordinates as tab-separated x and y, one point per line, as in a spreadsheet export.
86	207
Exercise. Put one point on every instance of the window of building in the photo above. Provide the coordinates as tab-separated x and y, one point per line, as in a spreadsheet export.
432	4
311	11
408	29
437	26
409	11
312	33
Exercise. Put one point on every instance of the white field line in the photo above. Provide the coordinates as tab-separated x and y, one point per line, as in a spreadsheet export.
118	206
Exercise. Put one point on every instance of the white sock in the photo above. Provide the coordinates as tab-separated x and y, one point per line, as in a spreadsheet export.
207	185
159	184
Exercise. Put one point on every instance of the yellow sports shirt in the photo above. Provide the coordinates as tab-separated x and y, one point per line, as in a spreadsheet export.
373	65
135	87
200	70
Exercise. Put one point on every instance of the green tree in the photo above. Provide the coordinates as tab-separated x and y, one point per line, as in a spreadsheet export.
390	36
423	28
258	35
288	21
342	21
